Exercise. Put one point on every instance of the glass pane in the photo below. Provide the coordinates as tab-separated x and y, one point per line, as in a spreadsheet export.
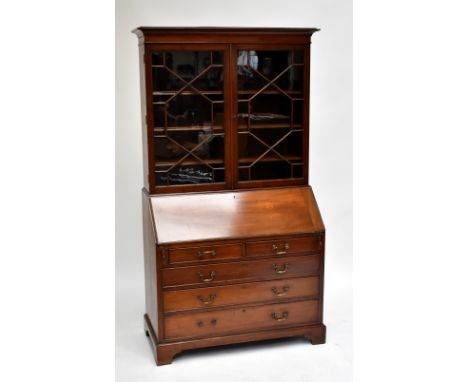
298	56
188	99
298	171
294	80
270	170
297	112
271	107
210	80
249	80
186	173
270	114
158	58
291	146
188	110
244	173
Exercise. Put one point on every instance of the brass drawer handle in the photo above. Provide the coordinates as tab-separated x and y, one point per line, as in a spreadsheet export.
212	276
201	324
280	294
284	270
207	302
201	254
276	249
282	318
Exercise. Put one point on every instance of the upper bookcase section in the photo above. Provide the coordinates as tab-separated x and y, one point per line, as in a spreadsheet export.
224	108
224	35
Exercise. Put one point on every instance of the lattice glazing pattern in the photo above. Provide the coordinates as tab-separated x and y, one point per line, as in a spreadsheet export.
188	109
270	114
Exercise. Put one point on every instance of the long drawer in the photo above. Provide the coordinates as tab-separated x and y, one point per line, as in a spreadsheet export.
247	293
257	270
241	319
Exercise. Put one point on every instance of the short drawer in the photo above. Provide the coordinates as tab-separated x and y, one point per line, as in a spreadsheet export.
253	270
247	293
240	320
284	247
206	253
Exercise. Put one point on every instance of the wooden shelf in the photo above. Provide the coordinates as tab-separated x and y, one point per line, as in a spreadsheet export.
220	129
221	92
187	92
249	92
189	128
243	128
268	158
191	162
162	66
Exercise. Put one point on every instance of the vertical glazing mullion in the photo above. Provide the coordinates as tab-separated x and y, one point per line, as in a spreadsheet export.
292	113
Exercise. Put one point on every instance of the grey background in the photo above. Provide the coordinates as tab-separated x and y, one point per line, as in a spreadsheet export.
330	176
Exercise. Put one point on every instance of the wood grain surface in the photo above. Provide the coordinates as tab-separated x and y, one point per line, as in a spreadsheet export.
238	214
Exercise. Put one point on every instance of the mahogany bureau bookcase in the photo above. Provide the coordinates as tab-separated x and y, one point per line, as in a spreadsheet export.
233	238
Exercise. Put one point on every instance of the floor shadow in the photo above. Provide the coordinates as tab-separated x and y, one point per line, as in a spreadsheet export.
236	348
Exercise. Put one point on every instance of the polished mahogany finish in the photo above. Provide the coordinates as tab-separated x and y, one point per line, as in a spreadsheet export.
248	293
233	238
226	321
283	247
238	214
205	254
269	277
224	108
250	270
191	35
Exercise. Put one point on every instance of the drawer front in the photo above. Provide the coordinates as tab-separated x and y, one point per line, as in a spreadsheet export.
241	319
247	293
243	270
205	253
284	247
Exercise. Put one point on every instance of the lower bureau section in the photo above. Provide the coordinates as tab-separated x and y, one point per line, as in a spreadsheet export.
247	293
214	323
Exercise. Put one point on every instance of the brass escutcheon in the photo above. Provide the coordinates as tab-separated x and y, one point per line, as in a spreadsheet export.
278	252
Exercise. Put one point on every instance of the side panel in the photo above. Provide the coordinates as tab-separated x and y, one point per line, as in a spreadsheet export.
143	97
151	281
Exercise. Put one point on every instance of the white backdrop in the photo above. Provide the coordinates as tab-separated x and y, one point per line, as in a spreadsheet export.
330	176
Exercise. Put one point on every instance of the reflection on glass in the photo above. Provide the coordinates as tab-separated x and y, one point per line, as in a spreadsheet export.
188	104
270	114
